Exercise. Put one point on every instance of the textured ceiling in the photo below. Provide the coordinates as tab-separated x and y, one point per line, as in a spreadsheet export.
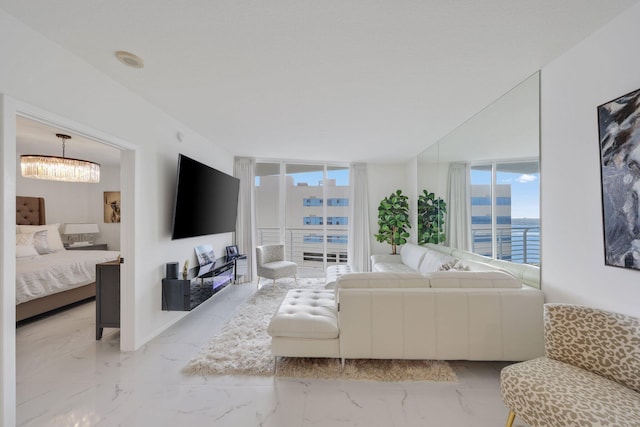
327	80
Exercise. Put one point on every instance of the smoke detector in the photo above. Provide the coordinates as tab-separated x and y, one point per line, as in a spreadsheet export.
129	59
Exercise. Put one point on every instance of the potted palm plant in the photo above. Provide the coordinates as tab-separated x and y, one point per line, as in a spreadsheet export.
393	220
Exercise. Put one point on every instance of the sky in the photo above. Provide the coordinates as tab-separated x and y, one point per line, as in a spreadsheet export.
525	188
313	178
525	191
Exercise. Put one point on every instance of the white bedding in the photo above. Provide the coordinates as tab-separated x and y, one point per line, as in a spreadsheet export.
56	272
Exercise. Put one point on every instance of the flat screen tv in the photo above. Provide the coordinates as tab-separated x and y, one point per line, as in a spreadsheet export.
206	200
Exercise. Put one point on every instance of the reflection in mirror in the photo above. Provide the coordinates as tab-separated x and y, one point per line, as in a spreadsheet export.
487	171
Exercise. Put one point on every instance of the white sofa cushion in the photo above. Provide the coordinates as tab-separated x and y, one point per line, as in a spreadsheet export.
392	267
412	255
386	258
306	313
382	280
473	279
335	271
445	324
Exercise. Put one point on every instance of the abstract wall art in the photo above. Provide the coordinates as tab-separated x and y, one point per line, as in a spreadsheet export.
619	132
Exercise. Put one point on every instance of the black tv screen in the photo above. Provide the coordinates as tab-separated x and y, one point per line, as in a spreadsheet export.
206	200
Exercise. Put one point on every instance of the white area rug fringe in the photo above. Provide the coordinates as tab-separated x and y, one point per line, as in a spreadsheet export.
242	347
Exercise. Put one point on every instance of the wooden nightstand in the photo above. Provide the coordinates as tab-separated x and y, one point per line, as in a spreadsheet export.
94	247
107	296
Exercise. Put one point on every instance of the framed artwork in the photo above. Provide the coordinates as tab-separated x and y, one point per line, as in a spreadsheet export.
205	255
111	206
232	251
619	133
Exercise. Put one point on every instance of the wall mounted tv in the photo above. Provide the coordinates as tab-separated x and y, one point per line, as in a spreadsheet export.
206	200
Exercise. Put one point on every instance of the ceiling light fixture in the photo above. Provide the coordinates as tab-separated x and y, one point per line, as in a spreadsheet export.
129	59
54	168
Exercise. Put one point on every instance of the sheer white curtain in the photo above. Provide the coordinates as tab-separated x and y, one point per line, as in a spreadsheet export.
458	217
245	169
359	246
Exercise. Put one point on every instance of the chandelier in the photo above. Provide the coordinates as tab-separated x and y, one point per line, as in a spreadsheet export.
56	168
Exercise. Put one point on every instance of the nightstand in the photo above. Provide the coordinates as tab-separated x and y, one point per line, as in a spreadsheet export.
107	296
94	247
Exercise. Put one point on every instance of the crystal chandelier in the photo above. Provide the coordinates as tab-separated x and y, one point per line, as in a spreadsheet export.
56	168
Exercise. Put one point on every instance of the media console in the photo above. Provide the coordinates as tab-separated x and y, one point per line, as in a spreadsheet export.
187	294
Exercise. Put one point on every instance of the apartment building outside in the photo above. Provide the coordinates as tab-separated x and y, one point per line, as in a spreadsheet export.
314	224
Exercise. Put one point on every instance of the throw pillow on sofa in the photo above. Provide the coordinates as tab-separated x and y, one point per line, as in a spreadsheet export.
449	265
469	265
435	261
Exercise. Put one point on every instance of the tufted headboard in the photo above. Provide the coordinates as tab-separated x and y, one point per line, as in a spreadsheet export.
30	211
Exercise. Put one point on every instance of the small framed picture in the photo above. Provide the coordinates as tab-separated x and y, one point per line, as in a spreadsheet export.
232	251
204	254
111	207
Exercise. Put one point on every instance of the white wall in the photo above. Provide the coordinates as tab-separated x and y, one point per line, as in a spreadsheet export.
52	79
599	69
109	181
385	179
76	202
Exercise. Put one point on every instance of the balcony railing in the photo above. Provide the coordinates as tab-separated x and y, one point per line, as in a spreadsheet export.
519	244
305	246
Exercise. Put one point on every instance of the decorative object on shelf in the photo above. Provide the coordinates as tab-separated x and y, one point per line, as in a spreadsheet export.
111	207
55	168
80	234
204	254
185	270
431	211
186	294
393	220
232	251
172	270
619	126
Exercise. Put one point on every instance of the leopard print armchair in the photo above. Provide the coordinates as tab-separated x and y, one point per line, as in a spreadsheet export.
589	376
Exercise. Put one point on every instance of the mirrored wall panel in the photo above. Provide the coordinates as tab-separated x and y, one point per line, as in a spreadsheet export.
486	176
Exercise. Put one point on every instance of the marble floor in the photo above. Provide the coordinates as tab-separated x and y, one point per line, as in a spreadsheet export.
67	378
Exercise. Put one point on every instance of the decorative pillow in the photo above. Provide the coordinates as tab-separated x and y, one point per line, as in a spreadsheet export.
40	242
433	260
449	265
53	234
470	265
459	266
24	239
26	251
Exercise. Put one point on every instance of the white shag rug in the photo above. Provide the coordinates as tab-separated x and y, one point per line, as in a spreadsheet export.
242	347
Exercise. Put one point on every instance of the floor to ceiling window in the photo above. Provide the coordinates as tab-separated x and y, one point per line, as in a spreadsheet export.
505	211
306	207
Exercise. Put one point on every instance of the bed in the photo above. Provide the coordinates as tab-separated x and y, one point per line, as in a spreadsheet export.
47	275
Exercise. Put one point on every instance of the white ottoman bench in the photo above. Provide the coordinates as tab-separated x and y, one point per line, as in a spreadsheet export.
306	325
335	271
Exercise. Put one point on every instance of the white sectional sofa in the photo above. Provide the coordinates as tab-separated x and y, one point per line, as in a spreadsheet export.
430	258
404	311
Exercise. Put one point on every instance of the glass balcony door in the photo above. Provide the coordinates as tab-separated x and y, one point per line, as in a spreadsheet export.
304	206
